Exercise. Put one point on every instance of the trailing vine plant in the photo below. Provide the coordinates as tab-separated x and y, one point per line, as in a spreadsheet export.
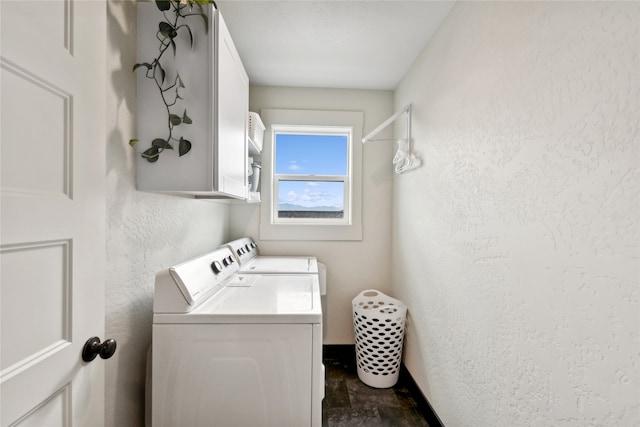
175	13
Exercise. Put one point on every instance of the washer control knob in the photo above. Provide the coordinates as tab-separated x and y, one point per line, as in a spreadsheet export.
247	247
231	259
227	261
216	267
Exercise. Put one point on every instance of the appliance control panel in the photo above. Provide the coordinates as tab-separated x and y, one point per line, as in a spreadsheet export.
185	286
219	264
244	249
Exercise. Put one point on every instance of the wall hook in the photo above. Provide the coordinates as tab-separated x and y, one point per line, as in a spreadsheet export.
403	159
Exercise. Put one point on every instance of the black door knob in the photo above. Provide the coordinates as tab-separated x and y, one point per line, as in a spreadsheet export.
93	347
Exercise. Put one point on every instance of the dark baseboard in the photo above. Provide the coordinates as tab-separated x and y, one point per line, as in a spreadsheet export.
421	401
347	352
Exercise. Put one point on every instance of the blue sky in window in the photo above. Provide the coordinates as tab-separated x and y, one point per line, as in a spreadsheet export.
311	154
302	154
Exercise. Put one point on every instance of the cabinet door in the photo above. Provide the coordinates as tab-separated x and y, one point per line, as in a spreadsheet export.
233	110
193	172
216	96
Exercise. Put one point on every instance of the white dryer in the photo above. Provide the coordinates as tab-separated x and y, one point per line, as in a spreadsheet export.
248	256
235	349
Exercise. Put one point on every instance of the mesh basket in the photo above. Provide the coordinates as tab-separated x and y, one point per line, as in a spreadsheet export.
378	321
256	130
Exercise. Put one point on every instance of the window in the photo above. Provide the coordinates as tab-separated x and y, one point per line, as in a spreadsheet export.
311	175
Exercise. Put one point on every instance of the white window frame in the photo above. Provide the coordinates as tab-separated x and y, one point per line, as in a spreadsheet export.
346	179
347	228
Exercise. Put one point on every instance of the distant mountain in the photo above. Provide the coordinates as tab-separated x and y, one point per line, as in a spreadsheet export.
291	207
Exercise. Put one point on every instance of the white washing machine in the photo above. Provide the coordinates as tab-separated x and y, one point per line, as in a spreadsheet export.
235	349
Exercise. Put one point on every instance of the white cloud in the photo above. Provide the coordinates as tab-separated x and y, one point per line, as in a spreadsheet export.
313	194
294	166
292	196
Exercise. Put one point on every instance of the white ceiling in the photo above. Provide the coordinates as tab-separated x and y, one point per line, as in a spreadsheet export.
333	43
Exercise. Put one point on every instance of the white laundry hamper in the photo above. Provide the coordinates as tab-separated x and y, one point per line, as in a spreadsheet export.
378	321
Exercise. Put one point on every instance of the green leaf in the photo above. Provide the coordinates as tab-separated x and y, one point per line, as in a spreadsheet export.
175	119
167	29
152	154
206	22
185	146
161	143
163	4
186	119
205	2
190	35
133	142
142	64
162	72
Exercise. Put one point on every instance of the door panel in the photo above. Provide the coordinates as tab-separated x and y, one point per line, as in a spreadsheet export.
52	189
47	316
50	123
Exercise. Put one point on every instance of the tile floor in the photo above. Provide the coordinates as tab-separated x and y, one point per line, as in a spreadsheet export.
350	402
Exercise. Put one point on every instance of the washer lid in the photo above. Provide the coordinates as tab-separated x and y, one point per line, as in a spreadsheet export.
281	264
253	298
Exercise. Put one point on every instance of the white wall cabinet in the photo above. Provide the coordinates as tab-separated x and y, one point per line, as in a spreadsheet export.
215	97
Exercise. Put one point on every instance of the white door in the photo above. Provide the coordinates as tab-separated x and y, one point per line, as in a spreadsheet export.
52	189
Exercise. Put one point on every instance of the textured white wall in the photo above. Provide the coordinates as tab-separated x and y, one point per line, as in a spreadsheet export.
145	232
516	244
352	266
